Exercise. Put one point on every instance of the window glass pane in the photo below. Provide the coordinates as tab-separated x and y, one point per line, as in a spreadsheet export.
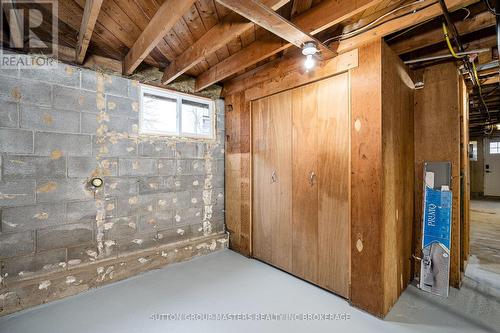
495	147
196	118
159	114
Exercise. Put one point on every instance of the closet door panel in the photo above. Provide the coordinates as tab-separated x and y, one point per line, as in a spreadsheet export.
305	188
272	185
333	184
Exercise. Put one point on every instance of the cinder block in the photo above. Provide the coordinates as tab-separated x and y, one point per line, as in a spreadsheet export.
167	167
32	217
218	180
182	199
16	244
56	190
186	183
176	234
219	106
138	167
64	236
118	228
16	141
183	167
43	262
136	205
166	202
219	166
17	167
190	150
137	243
85	167
83	254
43	118
150	185
116	85
9	115
26	91
157	149
198	167
68	144
134	89
63	74
114	186
197	198
17	193
122	106
187	216
157	221
111	148
86	211
79	100
116	123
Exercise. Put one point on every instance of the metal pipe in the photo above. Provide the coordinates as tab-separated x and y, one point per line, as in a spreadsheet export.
444	56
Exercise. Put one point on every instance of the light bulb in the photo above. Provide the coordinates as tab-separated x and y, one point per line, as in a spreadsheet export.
310	62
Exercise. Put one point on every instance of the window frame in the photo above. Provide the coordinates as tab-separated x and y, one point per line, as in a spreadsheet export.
497	148
178	96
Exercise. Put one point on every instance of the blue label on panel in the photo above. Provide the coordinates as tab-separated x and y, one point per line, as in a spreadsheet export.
437	217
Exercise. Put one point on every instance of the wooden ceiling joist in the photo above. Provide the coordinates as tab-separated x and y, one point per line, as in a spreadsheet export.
326	14
428	38
165	18
268	19
90	14
217	37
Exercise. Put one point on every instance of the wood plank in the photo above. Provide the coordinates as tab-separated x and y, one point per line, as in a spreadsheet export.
265	17
165	18
437	119
272	199
428	38
217	37
319	18
333	184
305	194
90	14
367	287
294	78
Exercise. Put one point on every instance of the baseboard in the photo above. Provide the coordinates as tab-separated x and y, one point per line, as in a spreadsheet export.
47	287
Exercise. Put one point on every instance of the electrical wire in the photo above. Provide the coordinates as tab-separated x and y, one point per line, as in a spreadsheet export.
372	24
490	8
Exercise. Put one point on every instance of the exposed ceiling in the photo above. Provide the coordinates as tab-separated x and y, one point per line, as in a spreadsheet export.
212	43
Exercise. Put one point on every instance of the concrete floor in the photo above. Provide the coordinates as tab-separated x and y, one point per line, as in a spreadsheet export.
225	282
484	263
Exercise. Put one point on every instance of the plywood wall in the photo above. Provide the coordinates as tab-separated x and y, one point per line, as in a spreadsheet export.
437	138
382	173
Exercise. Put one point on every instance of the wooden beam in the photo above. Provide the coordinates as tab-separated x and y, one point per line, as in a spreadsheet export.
268	19
426	11
476	23
326	14
15	25
229	28
90	14
165	18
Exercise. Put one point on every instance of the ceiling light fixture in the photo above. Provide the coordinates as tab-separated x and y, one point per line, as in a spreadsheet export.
309	50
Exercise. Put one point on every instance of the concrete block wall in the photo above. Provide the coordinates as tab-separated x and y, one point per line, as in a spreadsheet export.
60	128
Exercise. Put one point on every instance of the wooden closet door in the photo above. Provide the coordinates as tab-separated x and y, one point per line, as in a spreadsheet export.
305	187
272	180
333	184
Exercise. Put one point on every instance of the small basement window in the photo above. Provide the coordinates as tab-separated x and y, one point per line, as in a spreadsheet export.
165	112
494	147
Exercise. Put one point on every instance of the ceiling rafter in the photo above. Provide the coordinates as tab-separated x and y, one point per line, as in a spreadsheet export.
326	14
162	22
217	37
90	14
